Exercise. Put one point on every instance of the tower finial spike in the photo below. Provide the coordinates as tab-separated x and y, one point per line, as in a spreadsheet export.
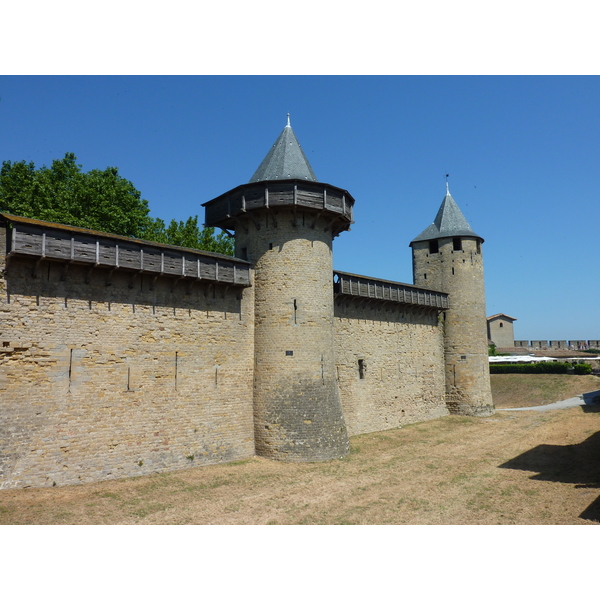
447	188
288	123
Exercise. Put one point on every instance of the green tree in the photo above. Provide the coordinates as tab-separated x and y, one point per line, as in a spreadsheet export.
189	235
100	200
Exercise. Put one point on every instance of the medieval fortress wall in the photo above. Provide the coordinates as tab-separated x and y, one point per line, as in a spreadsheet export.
390	365
101	382
140	376
120	357
455	265
296	402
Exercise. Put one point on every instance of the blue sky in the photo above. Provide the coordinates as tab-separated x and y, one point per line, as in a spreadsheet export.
522	153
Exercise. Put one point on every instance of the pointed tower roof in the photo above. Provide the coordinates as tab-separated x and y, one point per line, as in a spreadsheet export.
285	160
286	182
449	222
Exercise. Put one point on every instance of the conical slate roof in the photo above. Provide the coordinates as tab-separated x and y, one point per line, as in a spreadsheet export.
285	160
449	222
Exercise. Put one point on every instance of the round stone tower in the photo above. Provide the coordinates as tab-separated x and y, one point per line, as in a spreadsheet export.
285	222
447	257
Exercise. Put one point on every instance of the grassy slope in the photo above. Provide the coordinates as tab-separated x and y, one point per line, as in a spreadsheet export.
514	390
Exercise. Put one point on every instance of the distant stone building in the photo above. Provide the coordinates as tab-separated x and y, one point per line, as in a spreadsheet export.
500	330
120	357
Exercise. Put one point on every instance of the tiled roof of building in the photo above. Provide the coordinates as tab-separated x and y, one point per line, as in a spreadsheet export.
449	222
285	160
501	315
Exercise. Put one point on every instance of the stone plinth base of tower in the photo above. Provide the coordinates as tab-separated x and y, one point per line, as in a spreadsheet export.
458	404
302	424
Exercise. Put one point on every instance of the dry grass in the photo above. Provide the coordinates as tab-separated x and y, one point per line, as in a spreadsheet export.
512	390
512	468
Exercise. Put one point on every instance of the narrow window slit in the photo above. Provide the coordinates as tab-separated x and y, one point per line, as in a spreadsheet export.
362	368
70	368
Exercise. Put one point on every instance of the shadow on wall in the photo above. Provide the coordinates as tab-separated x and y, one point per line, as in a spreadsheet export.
102	286
386	312
577	464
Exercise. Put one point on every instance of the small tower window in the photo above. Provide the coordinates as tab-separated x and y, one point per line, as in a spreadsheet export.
433	247
457	244
362	368
501	324
478	246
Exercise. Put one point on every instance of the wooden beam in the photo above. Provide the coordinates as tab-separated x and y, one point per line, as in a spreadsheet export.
109	275
88	274
36	267
63	274
273	215
132	279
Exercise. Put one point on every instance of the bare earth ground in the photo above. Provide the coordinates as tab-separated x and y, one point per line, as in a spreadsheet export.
522	467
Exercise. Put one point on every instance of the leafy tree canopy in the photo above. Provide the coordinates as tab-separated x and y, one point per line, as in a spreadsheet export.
189	235
100	200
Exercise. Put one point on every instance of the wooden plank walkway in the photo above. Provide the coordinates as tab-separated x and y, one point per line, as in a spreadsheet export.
360	286
72	245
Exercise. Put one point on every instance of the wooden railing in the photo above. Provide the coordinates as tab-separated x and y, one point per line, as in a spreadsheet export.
49	241
223	210
360	286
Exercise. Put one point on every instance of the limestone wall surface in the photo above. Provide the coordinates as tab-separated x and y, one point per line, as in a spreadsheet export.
107	374
298	415
459	272
390	365
501	332
100	382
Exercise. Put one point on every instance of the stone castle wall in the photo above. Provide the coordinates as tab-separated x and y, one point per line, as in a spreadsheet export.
459	272
100	382
390	365
104	378
501	332
557	344
298	415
